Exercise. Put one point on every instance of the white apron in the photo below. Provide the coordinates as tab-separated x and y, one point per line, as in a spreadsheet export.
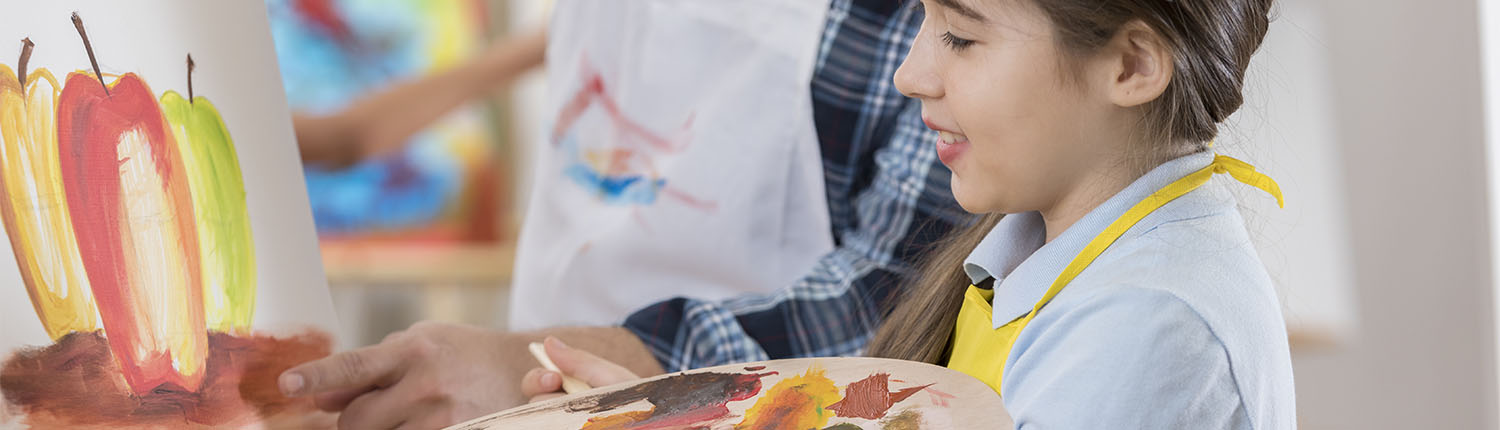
679	158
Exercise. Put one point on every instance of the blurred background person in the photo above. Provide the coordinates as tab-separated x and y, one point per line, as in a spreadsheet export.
684	161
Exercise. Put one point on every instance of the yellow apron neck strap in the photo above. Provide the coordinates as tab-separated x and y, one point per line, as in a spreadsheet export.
1240	170
1246	173
975	343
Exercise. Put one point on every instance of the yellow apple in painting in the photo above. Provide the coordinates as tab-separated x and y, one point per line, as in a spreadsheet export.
33	205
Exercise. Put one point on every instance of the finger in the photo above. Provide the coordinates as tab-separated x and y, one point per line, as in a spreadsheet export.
432	421
337	400
378	409
371	366
540	381
595	371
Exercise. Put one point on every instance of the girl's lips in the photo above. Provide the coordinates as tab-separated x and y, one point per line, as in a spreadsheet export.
930	125
950	147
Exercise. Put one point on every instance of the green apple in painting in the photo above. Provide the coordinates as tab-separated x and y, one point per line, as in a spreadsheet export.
226	246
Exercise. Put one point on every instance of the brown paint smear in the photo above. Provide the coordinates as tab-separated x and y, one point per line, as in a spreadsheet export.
682	401
908	420
871	398
76	384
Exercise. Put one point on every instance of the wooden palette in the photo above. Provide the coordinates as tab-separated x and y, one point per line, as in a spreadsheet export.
797	394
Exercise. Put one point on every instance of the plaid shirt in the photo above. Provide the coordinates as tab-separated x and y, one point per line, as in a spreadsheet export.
888	199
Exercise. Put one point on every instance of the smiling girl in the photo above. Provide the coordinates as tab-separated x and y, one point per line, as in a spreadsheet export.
1119	289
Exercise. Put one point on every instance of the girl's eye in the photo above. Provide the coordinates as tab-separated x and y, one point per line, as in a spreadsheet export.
956	43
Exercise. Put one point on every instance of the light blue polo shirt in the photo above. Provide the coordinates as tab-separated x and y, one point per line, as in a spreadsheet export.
1175	326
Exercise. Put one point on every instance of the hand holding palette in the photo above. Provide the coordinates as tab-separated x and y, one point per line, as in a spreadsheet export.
799	394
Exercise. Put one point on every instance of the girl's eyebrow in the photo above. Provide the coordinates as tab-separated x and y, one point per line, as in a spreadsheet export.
962	9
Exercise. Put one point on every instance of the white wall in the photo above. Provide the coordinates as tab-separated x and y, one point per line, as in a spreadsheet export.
1408	116
1286	128
1489	26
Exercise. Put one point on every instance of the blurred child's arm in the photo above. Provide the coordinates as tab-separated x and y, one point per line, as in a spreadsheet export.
383	121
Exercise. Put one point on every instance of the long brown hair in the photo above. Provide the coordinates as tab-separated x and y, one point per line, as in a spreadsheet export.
1211	43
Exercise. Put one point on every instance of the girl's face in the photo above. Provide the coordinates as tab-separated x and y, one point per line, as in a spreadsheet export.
1017	132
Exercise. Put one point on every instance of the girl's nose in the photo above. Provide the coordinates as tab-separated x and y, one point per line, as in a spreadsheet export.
917	78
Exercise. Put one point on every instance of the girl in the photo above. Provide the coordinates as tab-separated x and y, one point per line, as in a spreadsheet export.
1120	288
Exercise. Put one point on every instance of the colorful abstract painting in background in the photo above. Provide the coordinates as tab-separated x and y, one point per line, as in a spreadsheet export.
441	187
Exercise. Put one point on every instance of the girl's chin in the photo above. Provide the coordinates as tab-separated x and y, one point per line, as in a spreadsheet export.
971	203
978	202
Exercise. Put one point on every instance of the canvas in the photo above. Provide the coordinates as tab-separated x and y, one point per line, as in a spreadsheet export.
165	261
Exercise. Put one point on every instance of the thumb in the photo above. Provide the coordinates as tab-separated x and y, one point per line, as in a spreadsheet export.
372	366
589	368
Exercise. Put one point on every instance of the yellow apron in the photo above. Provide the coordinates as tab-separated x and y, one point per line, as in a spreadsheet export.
981	351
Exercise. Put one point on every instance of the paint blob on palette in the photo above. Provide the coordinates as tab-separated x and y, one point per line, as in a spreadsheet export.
798	394
129	220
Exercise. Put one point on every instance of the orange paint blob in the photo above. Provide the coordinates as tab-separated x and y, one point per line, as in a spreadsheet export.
620	421
798	402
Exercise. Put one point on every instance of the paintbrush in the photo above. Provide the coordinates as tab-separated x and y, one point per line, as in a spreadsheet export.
570	384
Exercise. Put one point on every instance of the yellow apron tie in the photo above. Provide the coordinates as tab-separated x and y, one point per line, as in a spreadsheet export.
981	351
1245	173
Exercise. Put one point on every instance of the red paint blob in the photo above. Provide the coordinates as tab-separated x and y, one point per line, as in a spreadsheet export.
871	398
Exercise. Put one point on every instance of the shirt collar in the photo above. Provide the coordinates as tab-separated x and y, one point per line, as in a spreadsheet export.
1014	238
1024	267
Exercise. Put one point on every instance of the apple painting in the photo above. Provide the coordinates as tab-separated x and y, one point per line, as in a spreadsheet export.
133	217
226	245
128	214
32	204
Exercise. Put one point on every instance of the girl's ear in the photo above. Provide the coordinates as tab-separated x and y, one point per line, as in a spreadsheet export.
1136	64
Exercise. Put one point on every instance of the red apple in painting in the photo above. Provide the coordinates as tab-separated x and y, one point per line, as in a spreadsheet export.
133	217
